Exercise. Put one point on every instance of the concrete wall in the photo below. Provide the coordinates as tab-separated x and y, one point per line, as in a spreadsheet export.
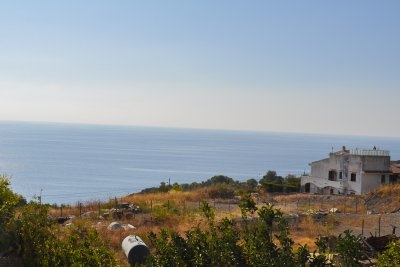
370	181
376	163
319	169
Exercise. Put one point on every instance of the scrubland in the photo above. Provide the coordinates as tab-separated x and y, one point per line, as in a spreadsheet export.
308	215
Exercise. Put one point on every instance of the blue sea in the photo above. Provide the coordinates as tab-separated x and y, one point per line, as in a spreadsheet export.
67	163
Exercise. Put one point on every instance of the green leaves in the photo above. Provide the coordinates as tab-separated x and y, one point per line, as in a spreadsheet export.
349	248
27	231
227	243
9	201
391	257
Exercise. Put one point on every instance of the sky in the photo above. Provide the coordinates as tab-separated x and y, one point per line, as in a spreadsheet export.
285	66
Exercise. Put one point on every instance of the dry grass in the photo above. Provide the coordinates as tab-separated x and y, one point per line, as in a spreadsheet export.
308	227
179	211
389	189
385	199
304	240
176	196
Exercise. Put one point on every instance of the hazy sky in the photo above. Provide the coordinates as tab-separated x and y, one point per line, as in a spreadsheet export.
287	66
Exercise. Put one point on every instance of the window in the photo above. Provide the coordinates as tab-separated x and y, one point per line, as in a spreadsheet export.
340	175
383	179
353	177
332	175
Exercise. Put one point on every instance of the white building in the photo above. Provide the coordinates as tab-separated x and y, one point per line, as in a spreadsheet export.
356	171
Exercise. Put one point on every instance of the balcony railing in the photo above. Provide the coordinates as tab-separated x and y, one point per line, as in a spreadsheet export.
370	152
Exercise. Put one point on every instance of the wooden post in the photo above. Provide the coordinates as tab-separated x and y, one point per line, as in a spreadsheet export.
80	210
61	210
362	228
151	210
356	205
379	226
99	209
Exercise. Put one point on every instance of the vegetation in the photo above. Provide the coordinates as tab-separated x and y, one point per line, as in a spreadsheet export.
9	202
271	182
181	230
391	257
227	244
255	241
27	232
226	187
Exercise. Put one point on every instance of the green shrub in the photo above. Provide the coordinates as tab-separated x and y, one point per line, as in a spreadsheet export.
82	246
227	243
9	202
349	248
165	212
217	246
391	257
26	231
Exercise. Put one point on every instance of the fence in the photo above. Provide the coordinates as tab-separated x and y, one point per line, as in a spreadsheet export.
350	212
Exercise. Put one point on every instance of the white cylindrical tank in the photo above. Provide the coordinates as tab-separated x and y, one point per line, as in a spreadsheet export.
135	249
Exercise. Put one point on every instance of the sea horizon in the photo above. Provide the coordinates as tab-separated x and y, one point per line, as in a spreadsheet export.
86	124
69	162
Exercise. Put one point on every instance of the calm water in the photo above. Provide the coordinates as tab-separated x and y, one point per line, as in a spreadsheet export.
66	163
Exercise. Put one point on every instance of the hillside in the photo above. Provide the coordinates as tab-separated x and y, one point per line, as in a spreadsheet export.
385	199
309	216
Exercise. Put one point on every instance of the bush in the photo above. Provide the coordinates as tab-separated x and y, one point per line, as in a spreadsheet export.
349	248
28	232
45	244
221	191
82	246
391	257
9	202
228	244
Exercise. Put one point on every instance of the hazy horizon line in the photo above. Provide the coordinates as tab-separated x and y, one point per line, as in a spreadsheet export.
194	128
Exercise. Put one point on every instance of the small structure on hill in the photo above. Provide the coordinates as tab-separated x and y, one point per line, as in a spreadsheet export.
356	171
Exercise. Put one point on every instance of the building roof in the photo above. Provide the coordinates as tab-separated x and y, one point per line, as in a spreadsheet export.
394	169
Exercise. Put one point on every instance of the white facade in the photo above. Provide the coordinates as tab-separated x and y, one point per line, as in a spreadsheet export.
349	172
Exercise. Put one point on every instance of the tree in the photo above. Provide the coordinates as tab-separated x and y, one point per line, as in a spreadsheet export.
163	187
219	179
292	183
176	187
252	184
272	182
